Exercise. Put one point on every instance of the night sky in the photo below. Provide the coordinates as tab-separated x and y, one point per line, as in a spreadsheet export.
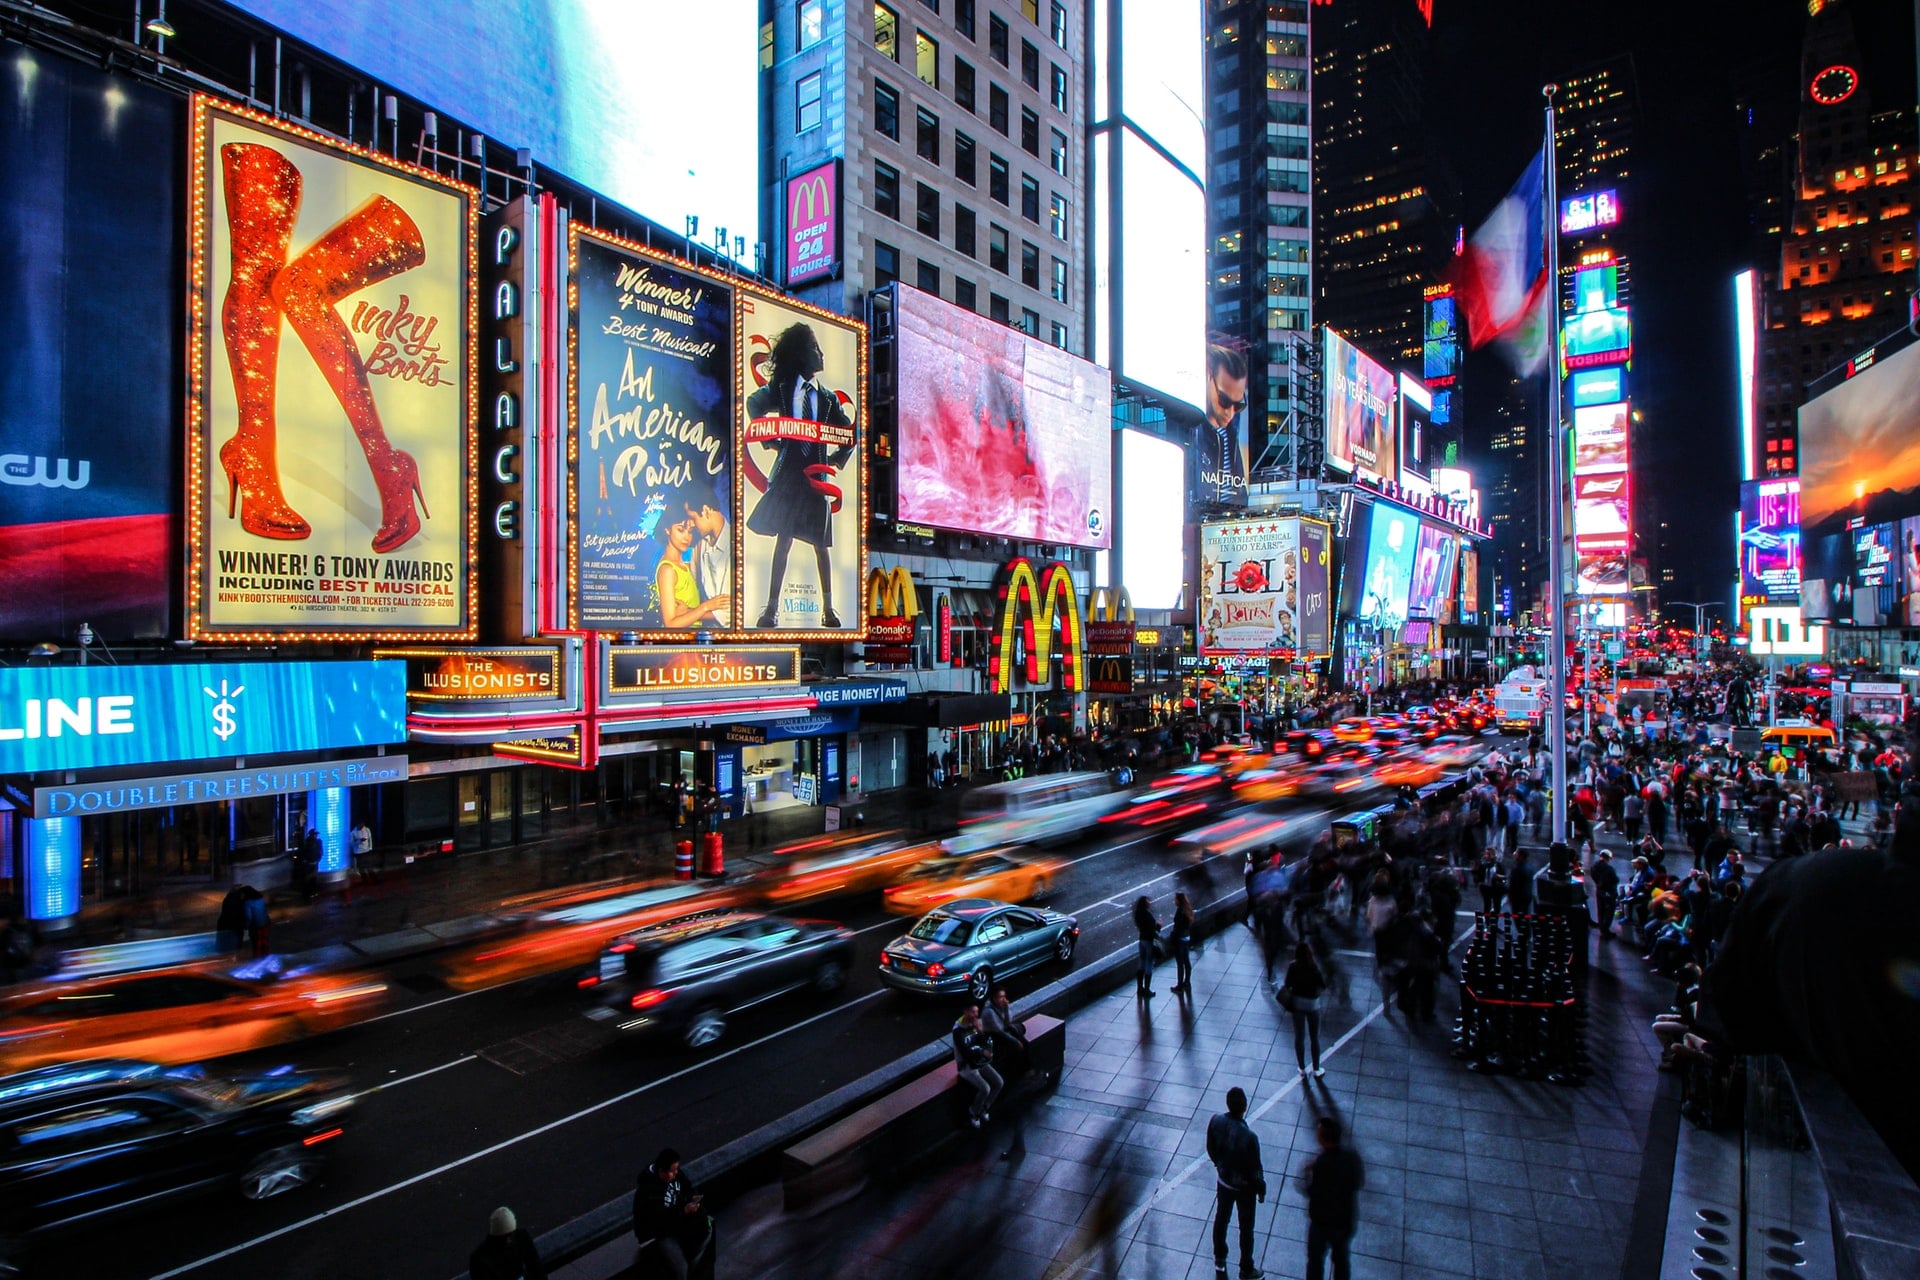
1689	233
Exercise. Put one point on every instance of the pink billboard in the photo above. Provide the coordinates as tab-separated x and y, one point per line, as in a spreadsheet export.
999	433
813	224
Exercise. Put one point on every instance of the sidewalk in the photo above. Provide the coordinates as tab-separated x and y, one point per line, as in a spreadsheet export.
1468	1175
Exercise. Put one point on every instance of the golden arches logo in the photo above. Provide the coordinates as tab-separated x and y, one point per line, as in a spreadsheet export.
817	197
1109	604
1048	595
891	594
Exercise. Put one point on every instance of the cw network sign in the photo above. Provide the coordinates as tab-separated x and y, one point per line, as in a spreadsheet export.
101	717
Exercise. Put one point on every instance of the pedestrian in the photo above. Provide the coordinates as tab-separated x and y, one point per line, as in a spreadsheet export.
1148	929
507	1253
973	1056
1300	996
1492	881
1606	890
1182	940
668	1221
258	921
1007	1033
231	923
1331	1182
1520	885
362	849
1443	897
1239	1179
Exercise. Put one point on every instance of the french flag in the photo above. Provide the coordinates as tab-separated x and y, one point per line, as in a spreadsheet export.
1500	277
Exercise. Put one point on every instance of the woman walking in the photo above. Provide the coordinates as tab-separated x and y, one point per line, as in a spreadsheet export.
1303	987
1182	940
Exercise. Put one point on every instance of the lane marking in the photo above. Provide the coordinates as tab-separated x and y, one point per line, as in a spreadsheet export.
418	1075
417	1008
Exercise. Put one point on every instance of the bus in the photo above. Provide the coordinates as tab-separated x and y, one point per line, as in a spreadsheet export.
1520	701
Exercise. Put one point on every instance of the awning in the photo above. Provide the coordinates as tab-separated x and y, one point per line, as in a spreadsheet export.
945	710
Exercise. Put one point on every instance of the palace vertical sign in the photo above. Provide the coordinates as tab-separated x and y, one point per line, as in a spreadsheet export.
813	224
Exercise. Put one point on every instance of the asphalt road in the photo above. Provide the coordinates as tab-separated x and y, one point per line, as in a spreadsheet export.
510	1096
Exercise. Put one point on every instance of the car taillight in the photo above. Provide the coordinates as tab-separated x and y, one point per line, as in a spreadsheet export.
936	969
315	1139
591	980
886	961
648	999
620	948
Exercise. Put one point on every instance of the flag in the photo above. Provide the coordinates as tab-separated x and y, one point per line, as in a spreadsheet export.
1500	278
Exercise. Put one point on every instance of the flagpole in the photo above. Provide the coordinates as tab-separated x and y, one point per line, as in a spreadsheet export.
1556	467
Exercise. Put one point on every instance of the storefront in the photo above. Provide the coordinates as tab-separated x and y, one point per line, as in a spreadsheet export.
783	763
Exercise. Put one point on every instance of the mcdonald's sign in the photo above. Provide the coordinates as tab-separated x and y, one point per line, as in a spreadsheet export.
813	224
1047	596
893	611
1110	627
1109	673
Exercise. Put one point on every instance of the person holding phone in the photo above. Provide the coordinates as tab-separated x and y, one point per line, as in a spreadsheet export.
668	1221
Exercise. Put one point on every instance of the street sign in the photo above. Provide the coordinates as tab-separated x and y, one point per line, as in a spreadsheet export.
1615	649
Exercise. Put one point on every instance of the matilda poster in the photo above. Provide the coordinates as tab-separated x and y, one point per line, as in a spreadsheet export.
655	544
802	492
330	446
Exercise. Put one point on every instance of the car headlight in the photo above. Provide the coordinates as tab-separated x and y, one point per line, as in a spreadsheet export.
325	1109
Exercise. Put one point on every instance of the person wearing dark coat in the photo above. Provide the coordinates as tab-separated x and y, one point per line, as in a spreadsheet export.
1520	885
798	505
1239	1179
668	1213
1443	894
508	1252
1606	889
1331	1181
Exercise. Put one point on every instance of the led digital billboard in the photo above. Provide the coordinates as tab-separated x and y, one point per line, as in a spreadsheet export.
1770	541
1263	587
1441	352
330	447
1359	411
1163	272
1434	556
1380	595
1860	446
1601	573
1600	438
999	433
1416	430
1600	510
1589	212
1600	337
1152	519
1220	449
1597	386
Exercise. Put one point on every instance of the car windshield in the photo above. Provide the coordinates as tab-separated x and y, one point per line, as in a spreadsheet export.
948	930
939	869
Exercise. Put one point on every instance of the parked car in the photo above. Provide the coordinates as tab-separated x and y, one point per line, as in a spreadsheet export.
80	1144
967	946
1009	873
687	977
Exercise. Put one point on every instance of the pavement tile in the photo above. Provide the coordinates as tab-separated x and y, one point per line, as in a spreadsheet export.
1444	1164
1491	1197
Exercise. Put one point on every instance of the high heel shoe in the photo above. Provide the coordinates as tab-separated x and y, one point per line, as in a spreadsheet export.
376	242
262	197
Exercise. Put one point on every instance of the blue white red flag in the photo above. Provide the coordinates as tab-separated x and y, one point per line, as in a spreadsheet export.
1500	278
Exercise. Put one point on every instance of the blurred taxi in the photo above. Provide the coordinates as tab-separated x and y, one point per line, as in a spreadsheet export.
188	1013
1353	729
840	863
1283	778
1183	793
551	932
1005	874
1412	768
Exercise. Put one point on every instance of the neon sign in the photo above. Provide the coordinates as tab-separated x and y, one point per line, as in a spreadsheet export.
1048	595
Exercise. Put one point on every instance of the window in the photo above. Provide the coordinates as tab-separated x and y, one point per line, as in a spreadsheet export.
886	109
1058	156
1059	289
886	189
1030	64
1058	213
1030	264
812	22
997	38
963	83
886	31
1030	10
997	178
963	293
963	158
929	278
997	247
1029	199
998	308
1059	88
926	212
1293	79
766	46
886	264
1059	27
926	135
1059	335
807	103
963	17
926	58
1029	131
997	108
1030	322
963	227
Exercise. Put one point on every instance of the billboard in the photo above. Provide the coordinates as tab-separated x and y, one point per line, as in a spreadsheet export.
1220	454
799	377
330	446
88	281
813	224
1602	336
1416	430
1589	212
1770	541
1601	573
1600	438
1379	568
650	449
1039	616
1435	554
1600	511
999	433
1163	263
1263	587
1597	386
1441	363
1858	454
1153	494
1469	580
1359	410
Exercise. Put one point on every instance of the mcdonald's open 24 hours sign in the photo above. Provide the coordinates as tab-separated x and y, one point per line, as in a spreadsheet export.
813	224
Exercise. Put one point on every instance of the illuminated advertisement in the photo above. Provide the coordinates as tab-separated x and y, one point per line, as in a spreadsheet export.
1263	587
1359	411
1589	212
813	224
1857	455
999	433
799	374
89	499
1603	336
1442	348
651	448
1152	519
1470	580
1601	573
1876	574
1600	438
107	716
1434	557
330	445
1770	541
1380	597
1039	615
1600	510
1597	386
1416	430
667	669
1220	449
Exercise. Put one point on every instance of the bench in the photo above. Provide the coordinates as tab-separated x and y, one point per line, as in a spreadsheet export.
904	1123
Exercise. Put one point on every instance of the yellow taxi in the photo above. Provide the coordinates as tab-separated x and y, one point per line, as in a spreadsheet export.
839	863
1006	874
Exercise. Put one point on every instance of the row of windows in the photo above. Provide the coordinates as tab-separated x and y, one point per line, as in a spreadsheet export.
886	270
999	171
926	220
926	61
886	120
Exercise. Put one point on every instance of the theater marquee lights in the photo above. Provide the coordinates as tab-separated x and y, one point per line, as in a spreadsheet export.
1048	596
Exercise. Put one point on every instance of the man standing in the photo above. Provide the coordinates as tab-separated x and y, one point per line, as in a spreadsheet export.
1239	1179
667	1212
362	846
1331	1182
1606	889
713	558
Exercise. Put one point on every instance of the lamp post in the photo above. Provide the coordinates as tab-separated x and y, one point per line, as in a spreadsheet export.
1699	613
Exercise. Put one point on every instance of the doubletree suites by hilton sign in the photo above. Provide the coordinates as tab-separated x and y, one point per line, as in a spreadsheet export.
695	669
